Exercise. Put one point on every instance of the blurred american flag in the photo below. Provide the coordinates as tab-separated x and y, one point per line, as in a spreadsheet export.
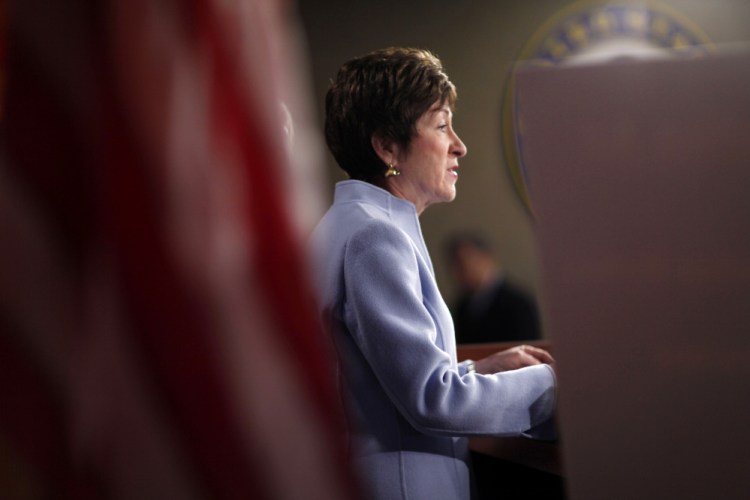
157	334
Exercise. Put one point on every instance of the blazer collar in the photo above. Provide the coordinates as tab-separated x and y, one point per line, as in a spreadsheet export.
402	212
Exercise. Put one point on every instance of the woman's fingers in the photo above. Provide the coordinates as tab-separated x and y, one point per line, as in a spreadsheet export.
540	354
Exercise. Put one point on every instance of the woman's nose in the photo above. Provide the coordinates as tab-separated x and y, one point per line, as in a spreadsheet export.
459	148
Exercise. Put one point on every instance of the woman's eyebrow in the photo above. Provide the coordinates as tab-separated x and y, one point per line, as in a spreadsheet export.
442	109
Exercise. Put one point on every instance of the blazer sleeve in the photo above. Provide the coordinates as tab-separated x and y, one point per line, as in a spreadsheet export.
387	318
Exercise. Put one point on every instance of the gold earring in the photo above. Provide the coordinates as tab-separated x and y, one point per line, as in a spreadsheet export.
391	172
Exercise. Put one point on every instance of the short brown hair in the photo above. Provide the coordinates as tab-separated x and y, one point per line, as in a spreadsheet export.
384	92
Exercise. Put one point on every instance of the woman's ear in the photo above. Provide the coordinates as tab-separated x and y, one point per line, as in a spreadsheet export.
386	149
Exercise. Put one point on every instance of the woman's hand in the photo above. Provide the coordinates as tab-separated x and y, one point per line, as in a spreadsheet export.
513	358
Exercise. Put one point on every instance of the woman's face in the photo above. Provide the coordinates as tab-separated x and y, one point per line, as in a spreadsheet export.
429	169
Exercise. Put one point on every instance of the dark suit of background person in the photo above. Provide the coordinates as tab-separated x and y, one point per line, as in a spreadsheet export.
489	308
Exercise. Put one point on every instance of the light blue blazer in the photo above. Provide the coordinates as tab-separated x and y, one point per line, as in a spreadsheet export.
410	405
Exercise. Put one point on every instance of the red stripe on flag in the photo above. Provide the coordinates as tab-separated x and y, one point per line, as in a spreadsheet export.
278	258
172	325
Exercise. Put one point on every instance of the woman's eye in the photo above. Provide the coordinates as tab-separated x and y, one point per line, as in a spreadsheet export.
444	126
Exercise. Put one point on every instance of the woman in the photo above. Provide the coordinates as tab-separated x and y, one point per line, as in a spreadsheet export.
410	405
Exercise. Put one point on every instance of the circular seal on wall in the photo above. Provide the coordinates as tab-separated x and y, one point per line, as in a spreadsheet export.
588	32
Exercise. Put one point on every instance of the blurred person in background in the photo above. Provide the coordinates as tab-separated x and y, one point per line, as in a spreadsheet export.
489	307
